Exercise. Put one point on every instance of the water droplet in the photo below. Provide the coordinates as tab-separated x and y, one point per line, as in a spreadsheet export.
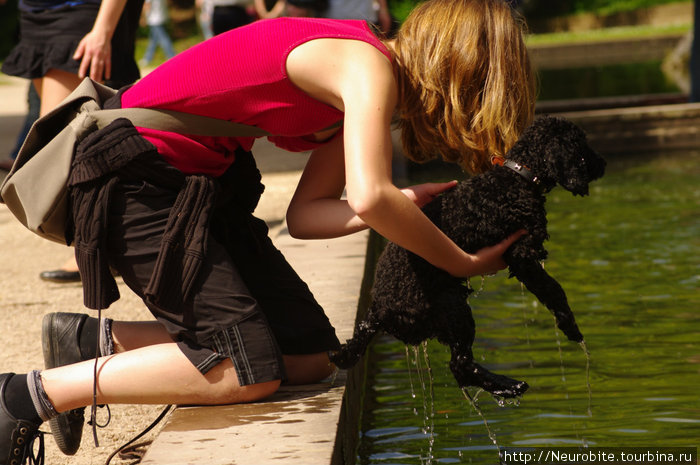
475	406
588	377
410	378
561	355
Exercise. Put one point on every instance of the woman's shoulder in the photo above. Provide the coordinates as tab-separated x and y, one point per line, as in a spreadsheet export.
300	30
342	73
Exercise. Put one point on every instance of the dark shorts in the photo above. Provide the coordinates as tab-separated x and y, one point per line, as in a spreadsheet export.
49	38
249	306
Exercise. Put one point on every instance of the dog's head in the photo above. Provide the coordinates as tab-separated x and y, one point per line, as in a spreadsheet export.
557	152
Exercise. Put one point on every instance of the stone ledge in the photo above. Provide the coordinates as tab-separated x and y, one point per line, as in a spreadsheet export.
641	129
613	52
295	426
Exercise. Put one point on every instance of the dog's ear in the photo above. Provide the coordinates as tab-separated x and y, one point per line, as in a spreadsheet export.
573	163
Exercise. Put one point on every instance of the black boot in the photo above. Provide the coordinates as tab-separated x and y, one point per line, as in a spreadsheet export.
60	334
17	436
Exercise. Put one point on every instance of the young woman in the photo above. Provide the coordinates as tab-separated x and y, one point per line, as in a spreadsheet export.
232	319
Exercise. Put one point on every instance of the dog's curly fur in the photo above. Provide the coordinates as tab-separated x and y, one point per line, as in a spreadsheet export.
415	301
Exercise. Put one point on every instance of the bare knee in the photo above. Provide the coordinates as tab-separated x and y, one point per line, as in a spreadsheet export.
257	391
235	394
225	388
307	369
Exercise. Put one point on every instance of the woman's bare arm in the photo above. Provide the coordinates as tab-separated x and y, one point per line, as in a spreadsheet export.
356	78
317	210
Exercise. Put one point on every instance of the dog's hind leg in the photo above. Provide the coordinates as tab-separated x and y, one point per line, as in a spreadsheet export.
469	373
351	352
460	339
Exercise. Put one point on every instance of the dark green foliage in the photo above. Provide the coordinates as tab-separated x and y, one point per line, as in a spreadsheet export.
549	9
604	81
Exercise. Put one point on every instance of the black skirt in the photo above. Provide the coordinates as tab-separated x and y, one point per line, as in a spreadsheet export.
49	38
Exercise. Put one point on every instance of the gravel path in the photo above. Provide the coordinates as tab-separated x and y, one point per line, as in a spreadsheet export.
24	300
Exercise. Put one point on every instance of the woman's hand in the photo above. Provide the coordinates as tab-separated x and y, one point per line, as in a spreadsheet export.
489	260
276	11
95	49
422	194
95	54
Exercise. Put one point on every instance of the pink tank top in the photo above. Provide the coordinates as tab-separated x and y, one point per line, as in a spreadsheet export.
241	76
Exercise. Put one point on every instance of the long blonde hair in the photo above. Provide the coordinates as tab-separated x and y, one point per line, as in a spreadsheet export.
466	87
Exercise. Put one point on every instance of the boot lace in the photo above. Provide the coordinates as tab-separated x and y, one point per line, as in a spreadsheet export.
23	452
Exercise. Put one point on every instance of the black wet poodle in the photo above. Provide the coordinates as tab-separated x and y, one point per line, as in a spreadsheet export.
415	301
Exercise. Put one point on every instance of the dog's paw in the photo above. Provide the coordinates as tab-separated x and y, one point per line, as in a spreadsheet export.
508	390
570	329
473	374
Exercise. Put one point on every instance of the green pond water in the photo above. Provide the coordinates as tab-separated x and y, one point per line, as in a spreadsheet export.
627	257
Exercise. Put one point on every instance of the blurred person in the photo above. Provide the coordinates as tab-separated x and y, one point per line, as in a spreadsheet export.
229	14
31	116
374	11
206	10
156	15
291	8
62	42
33	108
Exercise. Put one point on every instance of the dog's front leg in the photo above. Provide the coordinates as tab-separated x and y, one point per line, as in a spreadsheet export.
550	293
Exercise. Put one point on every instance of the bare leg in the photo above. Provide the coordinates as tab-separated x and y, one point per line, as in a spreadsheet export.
157	374
53	87
70	264
306	369
301	369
